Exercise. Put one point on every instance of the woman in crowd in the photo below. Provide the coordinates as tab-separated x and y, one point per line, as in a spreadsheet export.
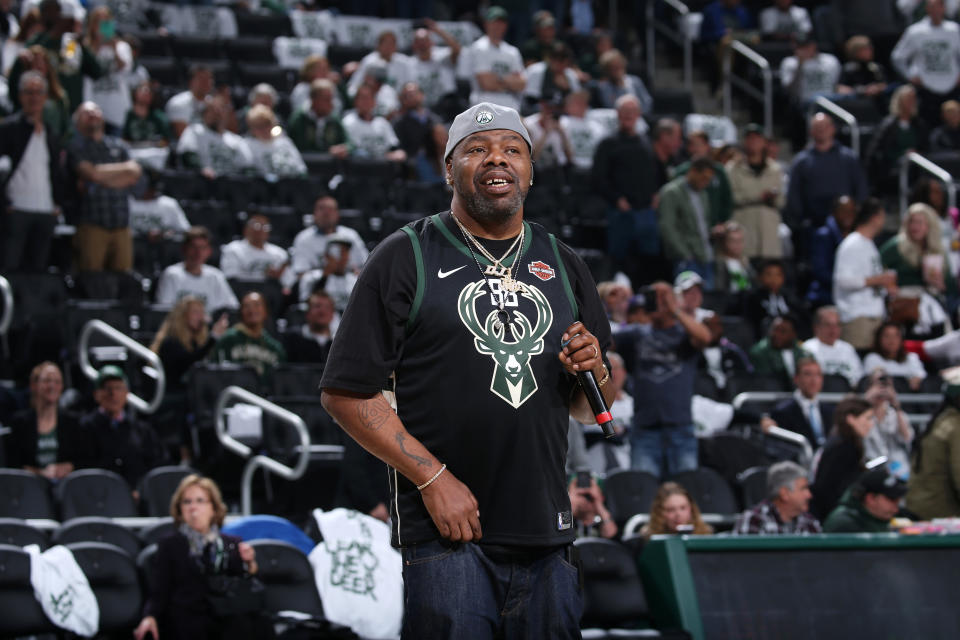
177	606
184	339
274	154
892	434
929	190
842	457
112	90
56	110
674	511
314	67
917	253
145	125
617	82
733	271
889	356
43	439
900	132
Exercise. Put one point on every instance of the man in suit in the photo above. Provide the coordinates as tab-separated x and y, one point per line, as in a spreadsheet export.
684	220
805	413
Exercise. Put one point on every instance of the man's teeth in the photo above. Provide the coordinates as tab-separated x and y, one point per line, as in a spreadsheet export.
496	181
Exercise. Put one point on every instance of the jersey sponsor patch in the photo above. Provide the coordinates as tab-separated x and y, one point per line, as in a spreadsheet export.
542	270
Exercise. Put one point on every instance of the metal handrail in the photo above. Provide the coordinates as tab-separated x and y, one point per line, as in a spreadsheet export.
636	521
99	326
848	118
7	318
930	167
793	438
680	37
766	96
260	461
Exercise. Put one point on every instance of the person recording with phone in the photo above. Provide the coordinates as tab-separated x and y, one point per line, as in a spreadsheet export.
662	357
892	434
586	497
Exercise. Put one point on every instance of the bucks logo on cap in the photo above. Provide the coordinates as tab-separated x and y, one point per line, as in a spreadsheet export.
484	117
513	380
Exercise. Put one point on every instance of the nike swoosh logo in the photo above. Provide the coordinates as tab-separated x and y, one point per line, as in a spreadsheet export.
443	274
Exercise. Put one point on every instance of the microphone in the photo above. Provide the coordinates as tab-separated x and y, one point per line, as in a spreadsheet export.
588	382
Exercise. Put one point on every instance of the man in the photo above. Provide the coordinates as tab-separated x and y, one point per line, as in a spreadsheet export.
784	21
433	69
859	280
946	137
928	55
583	133
666	139
935	464
785	511
662	357
309	249
414	123
247	342
684	218
33	188
868	505
186	108
107	174
253	257
194	277
718	190
494	67
623	174
820	173
809	73
555	75
334	276
371	136
155	216
537	48
316	128
823	249
385	55
477	445
756	184
804	413
112	439
310	343
551	147
776	356
835	356
208	147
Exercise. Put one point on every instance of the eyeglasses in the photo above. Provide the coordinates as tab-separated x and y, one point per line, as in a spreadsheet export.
186	502
260	226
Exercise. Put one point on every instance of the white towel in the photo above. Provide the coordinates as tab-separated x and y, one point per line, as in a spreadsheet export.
63	591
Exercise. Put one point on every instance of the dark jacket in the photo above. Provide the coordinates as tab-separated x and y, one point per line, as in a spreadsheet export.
22	442
177	360
890	142
851	516
823	254
817	178
129	447
305	350
624	165
789	415
840	466
177	598
768	362
944	138
15	133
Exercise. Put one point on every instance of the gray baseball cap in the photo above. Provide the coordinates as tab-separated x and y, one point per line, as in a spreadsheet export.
484	117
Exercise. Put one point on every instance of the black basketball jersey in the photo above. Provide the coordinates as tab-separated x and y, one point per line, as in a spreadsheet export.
488	398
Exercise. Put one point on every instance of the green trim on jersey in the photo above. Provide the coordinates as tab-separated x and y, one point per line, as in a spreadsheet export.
563	277
421	276
462	248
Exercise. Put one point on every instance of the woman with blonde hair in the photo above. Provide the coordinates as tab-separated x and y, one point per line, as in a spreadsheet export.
184	339
177	604
900	132
674	511
113	90
917	253
314	67
56	110
274	154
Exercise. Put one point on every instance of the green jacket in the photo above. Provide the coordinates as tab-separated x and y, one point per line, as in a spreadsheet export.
768	361
303	132
679	232
933	490
850	516
909	275
263	353
718	191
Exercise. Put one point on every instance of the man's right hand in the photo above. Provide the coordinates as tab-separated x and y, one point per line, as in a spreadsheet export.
453	508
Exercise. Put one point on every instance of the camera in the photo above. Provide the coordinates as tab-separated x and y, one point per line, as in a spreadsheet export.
650	303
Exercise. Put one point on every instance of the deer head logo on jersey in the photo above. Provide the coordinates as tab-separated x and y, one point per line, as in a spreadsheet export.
513	378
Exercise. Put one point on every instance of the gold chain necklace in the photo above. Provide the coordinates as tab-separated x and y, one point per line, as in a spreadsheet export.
508	282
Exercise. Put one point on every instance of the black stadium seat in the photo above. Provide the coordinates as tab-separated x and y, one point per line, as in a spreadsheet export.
263	24
753	486
25	495
164	70
196	47
628	492
250	49
253	73
18	533
113	577
155	533
158	486
97	529
20	613
709	490
288	577
95	492
297	380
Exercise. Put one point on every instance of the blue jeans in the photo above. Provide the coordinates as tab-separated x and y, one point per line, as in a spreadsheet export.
456	592
631	233
653	448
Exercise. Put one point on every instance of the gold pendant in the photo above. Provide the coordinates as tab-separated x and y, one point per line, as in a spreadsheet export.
507	283
497	271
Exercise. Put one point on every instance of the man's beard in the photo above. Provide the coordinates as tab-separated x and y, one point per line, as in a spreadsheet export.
493	210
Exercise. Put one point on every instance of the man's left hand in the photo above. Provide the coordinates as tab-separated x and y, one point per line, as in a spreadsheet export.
582	353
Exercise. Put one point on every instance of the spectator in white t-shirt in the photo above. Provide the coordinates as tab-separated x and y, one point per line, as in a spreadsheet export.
889	356
274	155
859	280
194	277
553	75
434	68
583	133
493	66
784	21
385	55
210	148
551	148
154	215
835	356
372	136
186	107
253	257
111	91
310	246
928	55
809	72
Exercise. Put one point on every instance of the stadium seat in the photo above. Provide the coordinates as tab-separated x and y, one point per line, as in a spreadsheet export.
16	532
154	534
628	492
185	185
111	285
297	380
94	492
97	529
341	54
253	73
113	577
709	490
240	192
164	70
158	486
358	221
208	379
250	49
705	385
393	220
729	453
323	167
738	332
189	47
288	577
267	527
20	612
268	24
215	216
426	198
145	566
672	102
753	486
835	383
285	222
322	428
25	495
301	192
153	44
740	382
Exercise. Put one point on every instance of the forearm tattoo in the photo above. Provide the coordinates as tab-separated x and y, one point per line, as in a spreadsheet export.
374	413
420	460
